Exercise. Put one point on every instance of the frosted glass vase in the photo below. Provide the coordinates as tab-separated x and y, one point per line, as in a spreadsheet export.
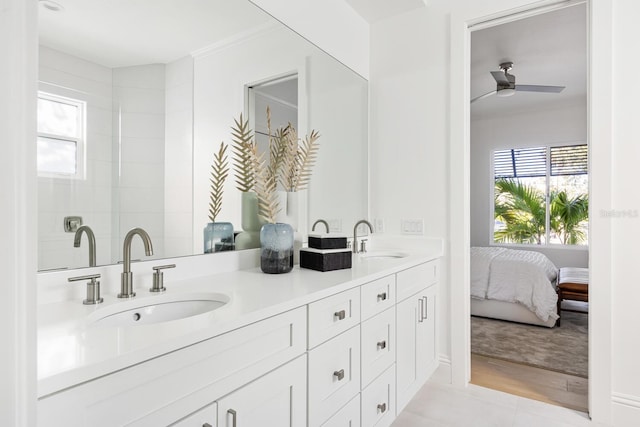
218	237
276	248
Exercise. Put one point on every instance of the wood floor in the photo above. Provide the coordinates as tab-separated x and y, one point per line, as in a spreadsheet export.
530	382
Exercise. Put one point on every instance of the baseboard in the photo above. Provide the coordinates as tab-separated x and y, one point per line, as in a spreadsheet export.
625	409
442	375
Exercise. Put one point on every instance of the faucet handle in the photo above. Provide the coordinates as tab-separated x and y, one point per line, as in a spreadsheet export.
93	288
363	245
158	277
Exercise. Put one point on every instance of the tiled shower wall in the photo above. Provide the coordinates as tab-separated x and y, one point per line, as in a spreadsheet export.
139	127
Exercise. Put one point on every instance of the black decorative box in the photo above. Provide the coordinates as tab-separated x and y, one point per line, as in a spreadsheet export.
325	259
327	241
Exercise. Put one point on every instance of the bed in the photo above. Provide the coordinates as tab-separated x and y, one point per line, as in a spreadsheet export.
515	285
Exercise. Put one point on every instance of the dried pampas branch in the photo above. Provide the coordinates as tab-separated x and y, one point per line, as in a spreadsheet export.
219	173
305	159
243	145
265	186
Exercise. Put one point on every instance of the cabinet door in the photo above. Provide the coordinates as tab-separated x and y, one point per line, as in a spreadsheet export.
406	339
426	356
277	399
416	356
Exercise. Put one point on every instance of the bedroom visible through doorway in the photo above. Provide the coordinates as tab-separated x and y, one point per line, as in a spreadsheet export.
529	204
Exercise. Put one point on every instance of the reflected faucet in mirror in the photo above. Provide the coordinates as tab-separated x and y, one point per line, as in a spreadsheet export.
355	235
91	240
320	221
126	286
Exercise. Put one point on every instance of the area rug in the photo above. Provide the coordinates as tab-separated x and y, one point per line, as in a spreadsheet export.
563	349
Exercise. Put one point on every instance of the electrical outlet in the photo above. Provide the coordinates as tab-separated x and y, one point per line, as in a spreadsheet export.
378	226
412	226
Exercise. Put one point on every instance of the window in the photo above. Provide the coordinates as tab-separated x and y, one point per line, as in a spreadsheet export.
541	195
61	136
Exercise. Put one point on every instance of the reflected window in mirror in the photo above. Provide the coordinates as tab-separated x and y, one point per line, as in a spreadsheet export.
61	140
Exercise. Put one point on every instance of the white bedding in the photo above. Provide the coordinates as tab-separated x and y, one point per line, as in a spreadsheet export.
516	276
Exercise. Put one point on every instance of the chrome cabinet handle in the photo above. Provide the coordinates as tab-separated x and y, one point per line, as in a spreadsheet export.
339	374
340	314
382	296
421	311
382	407
426	307
382	345
234	417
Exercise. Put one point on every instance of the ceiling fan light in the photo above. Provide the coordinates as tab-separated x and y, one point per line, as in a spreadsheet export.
506	92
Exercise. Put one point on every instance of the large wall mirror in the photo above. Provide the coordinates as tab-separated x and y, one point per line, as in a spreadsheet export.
134	100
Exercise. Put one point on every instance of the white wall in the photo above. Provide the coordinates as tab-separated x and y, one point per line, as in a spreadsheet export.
18	87
90	198
625	197
409	130
558	126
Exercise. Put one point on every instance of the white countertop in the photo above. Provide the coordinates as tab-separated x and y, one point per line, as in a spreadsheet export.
72	349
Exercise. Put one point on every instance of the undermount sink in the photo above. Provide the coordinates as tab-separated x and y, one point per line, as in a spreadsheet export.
384	254
157	310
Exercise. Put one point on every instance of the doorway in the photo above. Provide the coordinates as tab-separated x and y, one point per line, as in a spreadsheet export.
537	120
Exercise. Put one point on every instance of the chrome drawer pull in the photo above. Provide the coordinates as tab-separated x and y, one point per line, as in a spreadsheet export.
340	314
382	345
421	311
382	407
339	374
234	417
426	307
382	296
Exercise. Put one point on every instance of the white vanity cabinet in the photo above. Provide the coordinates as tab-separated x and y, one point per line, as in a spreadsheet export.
164	390
416	353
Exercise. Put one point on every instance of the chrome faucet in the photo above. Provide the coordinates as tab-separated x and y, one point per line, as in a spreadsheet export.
92	242
355	233
126	286
320	221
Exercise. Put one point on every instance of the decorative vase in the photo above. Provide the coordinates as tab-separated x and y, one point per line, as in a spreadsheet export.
251	222
218	237
276	248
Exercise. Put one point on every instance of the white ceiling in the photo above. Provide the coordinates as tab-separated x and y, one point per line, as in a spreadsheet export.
117	33
547	49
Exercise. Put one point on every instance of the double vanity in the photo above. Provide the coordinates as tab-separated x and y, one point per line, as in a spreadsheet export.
227	345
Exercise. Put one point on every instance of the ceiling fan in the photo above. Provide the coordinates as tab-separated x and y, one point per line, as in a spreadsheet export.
506	84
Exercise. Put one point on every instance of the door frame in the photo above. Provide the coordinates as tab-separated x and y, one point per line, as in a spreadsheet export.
599	101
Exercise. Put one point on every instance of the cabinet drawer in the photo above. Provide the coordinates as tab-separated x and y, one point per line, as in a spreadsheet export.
334	375
416	278
377	296
378	400
378	344
348	416
333	315
204	417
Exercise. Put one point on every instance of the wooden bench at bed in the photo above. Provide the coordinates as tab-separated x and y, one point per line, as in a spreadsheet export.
573	284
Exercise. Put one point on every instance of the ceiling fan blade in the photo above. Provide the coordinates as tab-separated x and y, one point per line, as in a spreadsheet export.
538	88
486	95
500	77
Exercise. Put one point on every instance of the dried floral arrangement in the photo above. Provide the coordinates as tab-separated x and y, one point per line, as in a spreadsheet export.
290	163
219	173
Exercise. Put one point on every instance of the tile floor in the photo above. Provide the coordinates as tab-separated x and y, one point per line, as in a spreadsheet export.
442	405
